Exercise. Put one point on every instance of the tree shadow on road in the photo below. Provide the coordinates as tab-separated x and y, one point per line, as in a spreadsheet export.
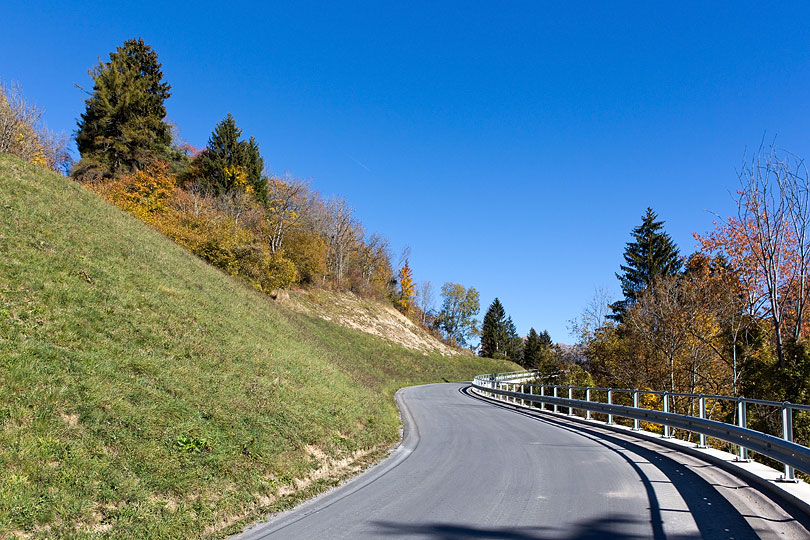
606	528
714	515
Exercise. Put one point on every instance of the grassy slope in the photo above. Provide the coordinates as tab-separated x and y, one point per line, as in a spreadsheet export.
145	394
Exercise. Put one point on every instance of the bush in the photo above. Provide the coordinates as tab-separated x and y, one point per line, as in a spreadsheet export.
308	251
23	135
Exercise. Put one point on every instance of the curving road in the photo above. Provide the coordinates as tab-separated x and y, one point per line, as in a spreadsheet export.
472	469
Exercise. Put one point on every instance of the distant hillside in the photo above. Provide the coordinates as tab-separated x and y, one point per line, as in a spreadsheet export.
145	394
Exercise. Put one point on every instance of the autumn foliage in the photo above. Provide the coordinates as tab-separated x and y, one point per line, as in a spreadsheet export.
734	320
22	133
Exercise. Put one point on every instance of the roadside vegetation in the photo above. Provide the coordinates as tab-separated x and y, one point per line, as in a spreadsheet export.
145	394
152	382
220	201
159	377
729	319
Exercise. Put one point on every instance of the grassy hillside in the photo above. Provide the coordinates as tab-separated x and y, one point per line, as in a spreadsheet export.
144	393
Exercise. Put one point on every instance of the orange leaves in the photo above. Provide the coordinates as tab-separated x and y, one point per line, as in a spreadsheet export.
144	193
407	288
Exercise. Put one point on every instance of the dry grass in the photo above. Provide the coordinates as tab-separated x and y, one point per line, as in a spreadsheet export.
366	315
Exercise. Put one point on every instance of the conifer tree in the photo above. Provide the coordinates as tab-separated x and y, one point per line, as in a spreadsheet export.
538	352
513	346
532	351
228	163
493	332
124	124
650	256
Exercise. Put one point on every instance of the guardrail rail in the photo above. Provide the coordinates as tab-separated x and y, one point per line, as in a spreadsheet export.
512	387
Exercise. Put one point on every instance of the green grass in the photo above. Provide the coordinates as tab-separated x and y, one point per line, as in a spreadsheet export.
145	394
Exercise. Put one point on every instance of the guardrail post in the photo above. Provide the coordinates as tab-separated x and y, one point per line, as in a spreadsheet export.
742	421
787	434
505	386
702	411
587	398
667	433
571	397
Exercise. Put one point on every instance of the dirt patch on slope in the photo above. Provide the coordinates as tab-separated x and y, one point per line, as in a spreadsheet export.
370	316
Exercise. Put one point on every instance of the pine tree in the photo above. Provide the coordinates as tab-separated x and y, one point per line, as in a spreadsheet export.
532	351
228	163
652	255
124	126
538	353
513	347
493	332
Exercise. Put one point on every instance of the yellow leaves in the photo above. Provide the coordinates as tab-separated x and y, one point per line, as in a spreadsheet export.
22	133
145	193
199	223
653	402
407	288
237	177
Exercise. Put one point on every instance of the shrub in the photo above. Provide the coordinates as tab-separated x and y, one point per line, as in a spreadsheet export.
23	135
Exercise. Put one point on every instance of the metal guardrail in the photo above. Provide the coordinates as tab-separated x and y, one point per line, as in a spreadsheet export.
793	455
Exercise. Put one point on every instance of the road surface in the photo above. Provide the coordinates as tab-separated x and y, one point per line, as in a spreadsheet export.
472	469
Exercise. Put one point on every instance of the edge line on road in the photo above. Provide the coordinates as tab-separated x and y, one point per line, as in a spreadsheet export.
410	441
791	503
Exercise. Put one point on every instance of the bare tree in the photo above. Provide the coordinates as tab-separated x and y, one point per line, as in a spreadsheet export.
795	184
22	133
404	256
373	256
341	233
594	315
286	200
426	296
767	202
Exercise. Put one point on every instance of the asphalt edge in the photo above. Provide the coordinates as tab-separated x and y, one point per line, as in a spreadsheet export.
400	452
793	503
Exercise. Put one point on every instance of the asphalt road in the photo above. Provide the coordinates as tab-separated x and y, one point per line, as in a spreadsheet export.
472	469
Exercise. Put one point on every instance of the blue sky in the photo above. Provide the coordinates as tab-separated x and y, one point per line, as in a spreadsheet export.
511	145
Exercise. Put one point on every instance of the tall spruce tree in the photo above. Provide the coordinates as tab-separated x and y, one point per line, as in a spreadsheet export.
499	337
538	353
493	332
124	126
228	163
651	255
532	351
513	347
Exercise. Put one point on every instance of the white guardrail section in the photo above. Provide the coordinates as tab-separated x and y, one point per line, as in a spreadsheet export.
512	387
